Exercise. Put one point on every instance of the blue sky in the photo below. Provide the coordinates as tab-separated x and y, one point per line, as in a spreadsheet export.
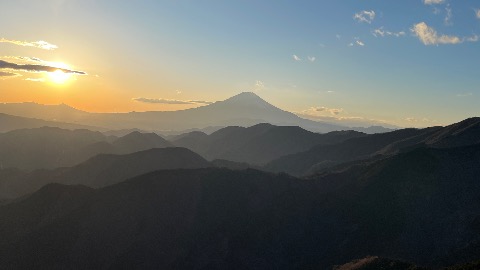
405	63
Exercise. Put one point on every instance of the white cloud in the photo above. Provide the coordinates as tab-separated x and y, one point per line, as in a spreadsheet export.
311	58
465	95
381	32
359	43
477	13
364	16
296	58
37	44
433	2
428	36
338	36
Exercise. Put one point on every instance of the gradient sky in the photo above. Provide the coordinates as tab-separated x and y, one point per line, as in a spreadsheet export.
406	63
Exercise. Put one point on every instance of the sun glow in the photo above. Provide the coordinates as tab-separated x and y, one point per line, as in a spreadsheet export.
59	77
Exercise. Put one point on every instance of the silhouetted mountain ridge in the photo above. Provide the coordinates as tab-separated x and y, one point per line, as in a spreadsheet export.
101	170
258	144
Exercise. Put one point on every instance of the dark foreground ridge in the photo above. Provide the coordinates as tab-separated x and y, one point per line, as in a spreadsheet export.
419	206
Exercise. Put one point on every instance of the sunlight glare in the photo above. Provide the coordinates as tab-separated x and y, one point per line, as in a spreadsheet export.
59	77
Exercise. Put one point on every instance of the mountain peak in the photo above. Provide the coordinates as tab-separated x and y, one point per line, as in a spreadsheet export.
249	99
245	96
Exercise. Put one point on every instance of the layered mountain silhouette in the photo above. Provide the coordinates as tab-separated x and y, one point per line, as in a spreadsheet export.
100	171
48	148
244	109
466	132
420	206
258	144
134	201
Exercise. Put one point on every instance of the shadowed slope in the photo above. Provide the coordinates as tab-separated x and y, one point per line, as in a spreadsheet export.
420	206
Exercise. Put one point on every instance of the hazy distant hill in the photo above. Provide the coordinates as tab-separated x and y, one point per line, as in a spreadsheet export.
420	206
257	144
245	109
10	122
100	171
47	147
137	141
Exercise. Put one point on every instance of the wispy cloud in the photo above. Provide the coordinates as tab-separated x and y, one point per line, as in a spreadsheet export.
473	38
428	36
448	16
8	74
364	16
477	13
331	111
259	85
296	58
171	101
340	116
35	79
356	42
419	120
465	95
36	68
311	58
37	44
381	32
433	2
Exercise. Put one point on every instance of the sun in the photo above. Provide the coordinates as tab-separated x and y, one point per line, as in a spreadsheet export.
59	76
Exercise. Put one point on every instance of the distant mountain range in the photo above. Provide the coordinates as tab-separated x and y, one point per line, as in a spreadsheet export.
245	109
408	195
